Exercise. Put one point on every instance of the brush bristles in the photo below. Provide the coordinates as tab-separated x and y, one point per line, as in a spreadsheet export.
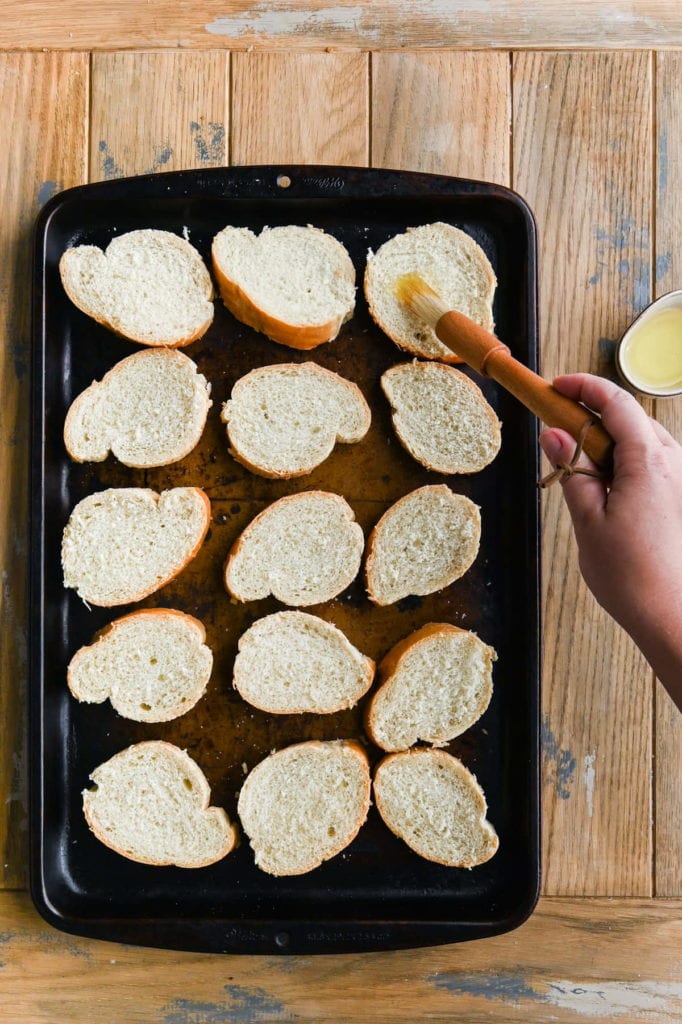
413	291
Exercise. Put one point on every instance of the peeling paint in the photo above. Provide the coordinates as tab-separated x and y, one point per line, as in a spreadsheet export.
209	141
559	763
588	778
663	264
110	169
46	191
508	988
641	283
245	1006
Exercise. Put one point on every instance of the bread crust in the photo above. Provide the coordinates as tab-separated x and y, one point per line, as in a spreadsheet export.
358	751
244	535
199	782
376	534
452	765
391	664
84	397
465	381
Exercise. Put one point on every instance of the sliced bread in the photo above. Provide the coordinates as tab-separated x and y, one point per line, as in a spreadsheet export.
451	262
441	417
303	549
149	286
421	544
303	805
294	284
150	803
283	421
148	410
435	684
124	543
153	665
292	662
435	805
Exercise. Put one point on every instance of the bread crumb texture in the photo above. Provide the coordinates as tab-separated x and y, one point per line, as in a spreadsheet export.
148	410
150	286
421	544
292	662
436	684
153	665
284	420
122	544
441	417
432	802
303	805
451	262
303	549
150	803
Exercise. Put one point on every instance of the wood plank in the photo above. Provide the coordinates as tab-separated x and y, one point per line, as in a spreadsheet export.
591	960
43	97
385	24
444	112
582	158
300	108
668	275
157	112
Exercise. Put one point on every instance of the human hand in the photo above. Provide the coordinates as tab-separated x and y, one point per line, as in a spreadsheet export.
630	534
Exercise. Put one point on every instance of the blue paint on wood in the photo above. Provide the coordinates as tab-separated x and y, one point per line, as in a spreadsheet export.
662	160
46	191
559	762
110	169
209	141
663	264
506	987
245	1006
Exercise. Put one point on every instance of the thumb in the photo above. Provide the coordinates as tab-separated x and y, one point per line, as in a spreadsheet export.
585	495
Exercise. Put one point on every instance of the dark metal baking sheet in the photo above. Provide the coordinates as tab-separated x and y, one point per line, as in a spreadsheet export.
377	894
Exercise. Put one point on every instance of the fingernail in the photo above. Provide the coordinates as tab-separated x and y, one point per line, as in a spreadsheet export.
551	445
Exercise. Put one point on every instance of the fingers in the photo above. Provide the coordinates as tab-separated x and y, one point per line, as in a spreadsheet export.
585	495
622	416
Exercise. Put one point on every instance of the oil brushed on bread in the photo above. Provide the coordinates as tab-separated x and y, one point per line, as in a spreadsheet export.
292	662
435	805
434	685
153	665
149	410
303	549
294	284
451	262
284	420
149	286
122	544
150	803
441	417
421	544
304	804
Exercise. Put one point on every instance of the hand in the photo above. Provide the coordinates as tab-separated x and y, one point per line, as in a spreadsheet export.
630	534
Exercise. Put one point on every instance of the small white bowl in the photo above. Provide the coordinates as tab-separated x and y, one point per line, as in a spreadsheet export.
667	301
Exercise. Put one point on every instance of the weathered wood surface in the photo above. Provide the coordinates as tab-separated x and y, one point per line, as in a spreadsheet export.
574	960
368	24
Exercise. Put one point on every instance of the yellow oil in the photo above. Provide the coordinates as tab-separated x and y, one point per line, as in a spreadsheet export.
652	355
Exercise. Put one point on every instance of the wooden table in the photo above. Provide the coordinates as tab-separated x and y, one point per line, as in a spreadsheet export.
561	102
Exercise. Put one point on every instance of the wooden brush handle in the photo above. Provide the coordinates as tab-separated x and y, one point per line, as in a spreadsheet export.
487	354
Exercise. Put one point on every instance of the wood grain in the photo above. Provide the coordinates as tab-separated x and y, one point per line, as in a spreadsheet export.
587	960
582	158
445	112
43	100
379	24
300	108
667	276
157	112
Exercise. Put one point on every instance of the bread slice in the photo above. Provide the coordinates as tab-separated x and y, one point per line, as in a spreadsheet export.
294	284
303	805
149	286
153	665
150	803
421	544
431	802
148	410
303	549
292	662
435	684
451	263
124	543
283	421
441	417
